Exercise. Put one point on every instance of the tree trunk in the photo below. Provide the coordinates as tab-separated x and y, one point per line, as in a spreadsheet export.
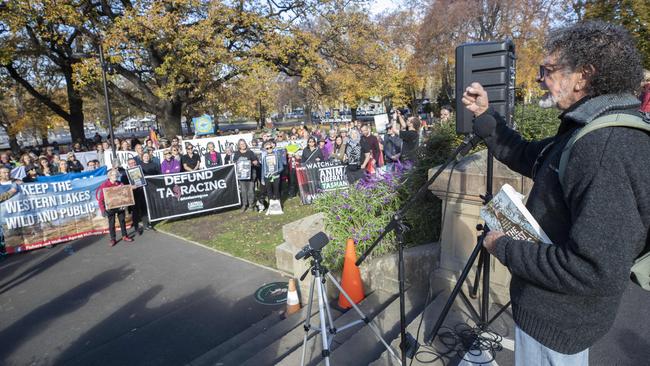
308	120
261	115
388	105
170	118
215	115
353	110
75	106
188	123
44	138
13	143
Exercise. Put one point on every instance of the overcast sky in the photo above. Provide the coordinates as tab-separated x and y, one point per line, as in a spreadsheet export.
377	6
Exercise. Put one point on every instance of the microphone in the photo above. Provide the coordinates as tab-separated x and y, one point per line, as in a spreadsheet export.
316	242
481	130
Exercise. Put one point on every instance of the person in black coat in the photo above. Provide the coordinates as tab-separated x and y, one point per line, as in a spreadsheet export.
312	153
149	167
74	165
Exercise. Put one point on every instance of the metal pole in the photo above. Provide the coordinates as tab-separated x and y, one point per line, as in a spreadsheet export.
402	308
107	102
485	301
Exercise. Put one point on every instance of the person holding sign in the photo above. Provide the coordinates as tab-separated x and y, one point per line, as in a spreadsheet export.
212	157
112	181
272	165
245	160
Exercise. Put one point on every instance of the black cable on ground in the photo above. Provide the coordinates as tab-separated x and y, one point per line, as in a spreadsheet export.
463	342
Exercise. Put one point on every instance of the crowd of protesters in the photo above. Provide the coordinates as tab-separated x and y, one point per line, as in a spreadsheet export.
351	143
272	156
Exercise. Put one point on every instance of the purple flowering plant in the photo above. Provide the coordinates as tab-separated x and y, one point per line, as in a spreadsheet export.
361	213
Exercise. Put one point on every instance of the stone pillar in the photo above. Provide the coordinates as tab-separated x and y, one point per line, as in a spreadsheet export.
296	235
461	197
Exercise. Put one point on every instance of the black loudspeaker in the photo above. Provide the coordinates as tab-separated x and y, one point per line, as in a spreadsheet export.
492	64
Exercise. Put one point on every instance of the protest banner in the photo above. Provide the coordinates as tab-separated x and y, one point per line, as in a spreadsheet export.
122	156
220	144
188	193
381	122
316	178
53	210
158	155
203	125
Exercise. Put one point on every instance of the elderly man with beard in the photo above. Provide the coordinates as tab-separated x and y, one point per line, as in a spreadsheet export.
565	295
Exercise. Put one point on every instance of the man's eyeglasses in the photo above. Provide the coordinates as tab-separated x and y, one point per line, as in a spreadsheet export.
547	70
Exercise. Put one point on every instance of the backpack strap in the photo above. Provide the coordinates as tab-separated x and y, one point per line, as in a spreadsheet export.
640	271
610	120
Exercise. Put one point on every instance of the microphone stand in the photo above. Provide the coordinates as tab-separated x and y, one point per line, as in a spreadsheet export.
409	346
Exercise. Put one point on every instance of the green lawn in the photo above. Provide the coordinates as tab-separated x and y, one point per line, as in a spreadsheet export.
249	235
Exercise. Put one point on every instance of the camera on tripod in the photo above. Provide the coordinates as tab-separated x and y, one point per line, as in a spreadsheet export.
316	243
326	327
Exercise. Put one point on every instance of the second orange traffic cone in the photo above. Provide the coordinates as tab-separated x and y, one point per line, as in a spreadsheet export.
293	303
351	280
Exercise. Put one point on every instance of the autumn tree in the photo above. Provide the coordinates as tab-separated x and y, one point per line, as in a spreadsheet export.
21	112
448	24
634	15
175	53
39	41
355	60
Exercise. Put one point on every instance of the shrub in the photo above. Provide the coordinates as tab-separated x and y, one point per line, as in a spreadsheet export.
534	122
359	213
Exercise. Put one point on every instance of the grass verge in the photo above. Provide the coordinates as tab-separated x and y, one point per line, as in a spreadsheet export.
250	235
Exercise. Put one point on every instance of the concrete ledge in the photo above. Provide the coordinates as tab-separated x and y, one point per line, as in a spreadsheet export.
284	258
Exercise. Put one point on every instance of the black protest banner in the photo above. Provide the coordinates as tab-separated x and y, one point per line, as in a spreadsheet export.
188	193
317	178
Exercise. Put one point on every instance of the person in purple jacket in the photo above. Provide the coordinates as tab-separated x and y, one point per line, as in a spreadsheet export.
330	141
169	164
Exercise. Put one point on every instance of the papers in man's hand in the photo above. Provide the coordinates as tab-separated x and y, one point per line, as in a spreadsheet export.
506	213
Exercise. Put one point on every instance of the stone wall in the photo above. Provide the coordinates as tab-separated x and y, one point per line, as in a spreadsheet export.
461	197
378	273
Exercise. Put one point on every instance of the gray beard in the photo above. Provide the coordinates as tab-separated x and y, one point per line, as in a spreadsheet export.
547	101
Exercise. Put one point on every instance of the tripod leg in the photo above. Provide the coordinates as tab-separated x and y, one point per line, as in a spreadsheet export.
402	309
459	284
321	314
328	312
363	316
485	301
307	326
477	276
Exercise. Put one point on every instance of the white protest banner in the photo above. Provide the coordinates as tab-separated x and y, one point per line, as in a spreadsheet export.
158	155
220	144
122	156
381	122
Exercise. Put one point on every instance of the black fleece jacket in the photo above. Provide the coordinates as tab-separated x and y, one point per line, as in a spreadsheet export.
566	295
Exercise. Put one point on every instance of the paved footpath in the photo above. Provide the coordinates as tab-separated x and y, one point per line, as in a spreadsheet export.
157	301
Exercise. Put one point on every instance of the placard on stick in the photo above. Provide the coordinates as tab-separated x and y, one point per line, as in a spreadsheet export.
119	197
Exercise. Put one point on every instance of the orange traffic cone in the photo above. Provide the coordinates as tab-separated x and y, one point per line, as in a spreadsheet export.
293	303
351	281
